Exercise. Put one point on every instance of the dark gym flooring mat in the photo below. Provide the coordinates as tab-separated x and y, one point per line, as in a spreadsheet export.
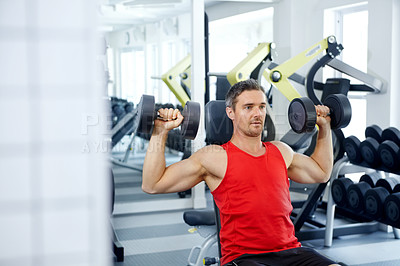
172	258
152	231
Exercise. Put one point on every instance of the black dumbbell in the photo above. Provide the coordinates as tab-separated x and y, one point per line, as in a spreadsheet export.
356	196
392	209
388	183
351	146
369	147
147	113
374	202
375	132
339	190
389	150
375	197
371	178
369	152
128	107
303	116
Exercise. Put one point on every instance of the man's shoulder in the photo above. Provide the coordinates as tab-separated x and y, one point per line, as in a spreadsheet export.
212	149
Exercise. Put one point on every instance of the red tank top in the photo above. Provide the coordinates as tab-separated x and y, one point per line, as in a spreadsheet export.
254	203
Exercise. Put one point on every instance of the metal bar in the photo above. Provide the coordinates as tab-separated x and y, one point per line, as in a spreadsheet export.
330	210
372	82
350	229
308	206
129	148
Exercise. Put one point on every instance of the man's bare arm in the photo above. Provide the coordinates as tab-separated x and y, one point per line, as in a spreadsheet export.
318	167
157	178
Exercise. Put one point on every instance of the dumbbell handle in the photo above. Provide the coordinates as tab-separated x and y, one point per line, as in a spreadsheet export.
158	117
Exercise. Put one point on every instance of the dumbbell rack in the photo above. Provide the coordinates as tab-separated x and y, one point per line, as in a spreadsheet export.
341	167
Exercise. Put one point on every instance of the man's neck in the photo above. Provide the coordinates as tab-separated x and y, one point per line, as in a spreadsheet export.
252	145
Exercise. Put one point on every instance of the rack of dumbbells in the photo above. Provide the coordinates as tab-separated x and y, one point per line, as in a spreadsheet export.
376	195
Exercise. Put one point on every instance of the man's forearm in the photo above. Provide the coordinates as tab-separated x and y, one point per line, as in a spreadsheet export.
154	162
323	152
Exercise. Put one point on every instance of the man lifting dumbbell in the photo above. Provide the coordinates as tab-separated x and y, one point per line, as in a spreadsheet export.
248	179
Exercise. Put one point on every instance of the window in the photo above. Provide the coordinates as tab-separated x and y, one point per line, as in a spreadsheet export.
232	38
111	71
168	61
350	26
154	81
132	75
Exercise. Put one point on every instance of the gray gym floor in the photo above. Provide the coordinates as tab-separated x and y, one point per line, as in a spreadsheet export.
162	238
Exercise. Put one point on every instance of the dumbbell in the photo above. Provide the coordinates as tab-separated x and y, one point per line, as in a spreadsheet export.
303	116
147	113
375	197
375	132
339	190
389	150
369	147
356	196
392	209
356	193
371	178
352	146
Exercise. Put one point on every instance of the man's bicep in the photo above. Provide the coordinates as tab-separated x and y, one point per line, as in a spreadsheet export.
304	169
181	176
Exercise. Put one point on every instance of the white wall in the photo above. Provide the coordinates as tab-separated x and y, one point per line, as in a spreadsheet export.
54	195
383	61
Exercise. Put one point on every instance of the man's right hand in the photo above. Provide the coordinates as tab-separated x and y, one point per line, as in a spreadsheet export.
169	119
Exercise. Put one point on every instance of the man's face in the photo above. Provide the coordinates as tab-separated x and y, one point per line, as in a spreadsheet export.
249	114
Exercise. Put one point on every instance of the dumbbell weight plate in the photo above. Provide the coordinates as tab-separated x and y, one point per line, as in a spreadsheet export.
339	190
374	202
145	114
302	115
391	133
388	183
389	154
375	132
371	178
340	108
369	152
191	121
352	147
392	208
355	196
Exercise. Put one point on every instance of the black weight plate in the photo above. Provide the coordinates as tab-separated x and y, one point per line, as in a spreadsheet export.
355	196
302	115
145	114
339	190
369	152
374	202
389	154
352	147
375	132
371	178
340	108
391	133
396	188
392	208
388	183
191	120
